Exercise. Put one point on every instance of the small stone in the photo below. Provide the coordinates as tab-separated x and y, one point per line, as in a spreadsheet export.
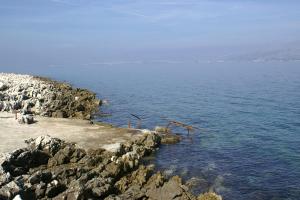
28	119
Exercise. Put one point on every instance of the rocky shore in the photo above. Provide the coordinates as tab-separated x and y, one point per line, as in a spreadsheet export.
45	97
51	168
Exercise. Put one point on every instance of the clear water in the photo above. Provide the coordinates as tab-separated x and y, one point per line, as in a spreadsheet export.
249	144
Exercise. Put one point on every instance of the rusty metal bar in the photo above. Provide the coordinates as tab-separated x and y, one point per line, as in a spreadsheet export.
139	123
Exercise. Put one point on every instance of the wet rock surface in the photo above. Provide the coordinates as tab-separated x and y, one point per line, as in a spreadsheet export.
50	168
45	97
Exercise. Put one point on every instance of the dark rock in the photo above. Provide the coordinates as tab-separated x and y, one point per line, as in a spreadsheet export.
40	176
172	189
54	188
98	187
66	155
53	169
138	177
80	108
22	160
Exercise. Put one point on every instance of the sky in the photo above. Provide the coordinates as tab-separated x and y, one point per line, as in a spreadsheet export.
61	32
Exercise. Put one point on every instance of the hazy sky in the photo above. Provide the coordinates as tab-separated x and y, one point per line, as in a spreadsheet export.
50	32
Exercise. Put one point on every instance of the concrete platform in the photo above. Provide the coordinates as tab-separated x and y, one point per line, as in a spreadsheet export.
86	135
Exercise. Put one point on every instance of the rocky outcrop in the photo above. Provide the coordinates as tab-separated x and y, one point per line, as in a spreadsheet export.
45	97
50	168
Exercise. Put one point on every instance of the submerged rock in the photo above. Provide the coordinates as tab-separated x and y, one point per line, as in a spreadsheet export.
162	129
170	138
209	196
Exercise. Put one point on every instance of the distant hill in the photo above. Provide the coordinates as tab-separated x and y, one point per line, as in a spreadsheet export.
285	54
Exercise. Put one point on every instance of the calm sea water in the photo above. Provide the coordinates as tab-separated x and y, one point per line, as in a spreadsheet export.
249	114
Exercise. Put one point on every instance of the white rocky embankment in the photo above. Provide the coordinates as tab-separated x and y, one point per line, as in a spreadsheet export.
44	97
21	91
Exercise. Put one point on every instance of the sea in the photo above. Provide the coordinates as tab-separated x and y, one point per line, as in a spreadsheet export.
246	144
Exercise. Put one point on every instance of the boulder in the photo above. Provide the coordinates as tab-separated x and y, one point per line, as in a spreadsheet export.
66	155
19	162
168	191
137	178
26	119
40	176
158	188
3	86
46	143
98	187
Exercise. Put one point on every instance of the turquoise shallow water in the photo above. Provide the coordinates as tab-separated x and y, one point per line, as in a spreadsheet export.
249	144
